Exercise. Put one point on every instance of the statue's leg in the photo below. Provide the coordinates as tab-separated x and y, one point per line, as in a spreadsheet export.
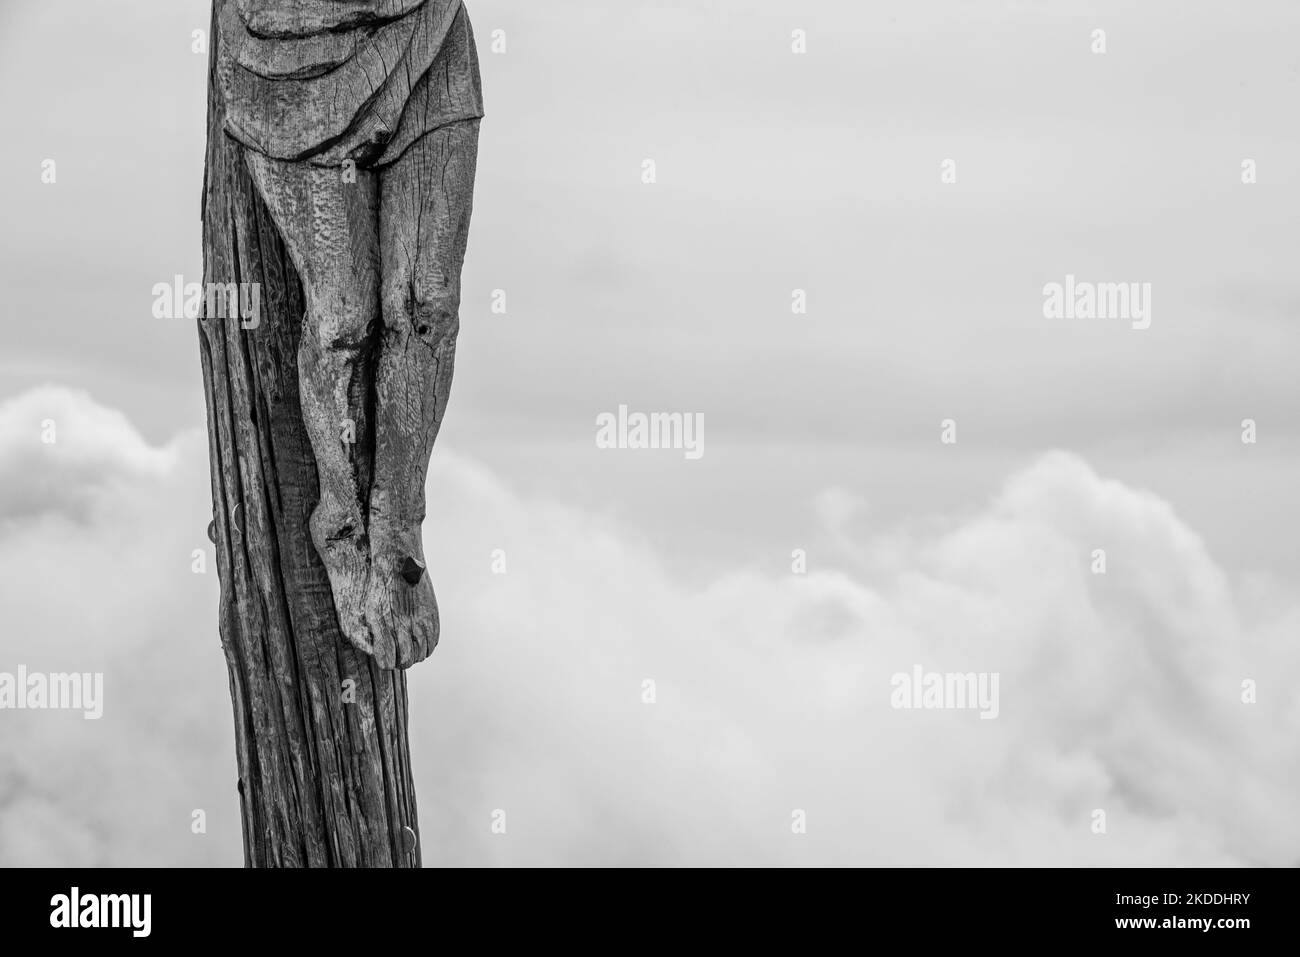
426	198
329	227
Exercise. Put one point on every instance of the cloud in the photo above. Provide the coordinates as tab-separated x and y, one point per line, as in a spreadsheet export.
60	451
771	693
97	539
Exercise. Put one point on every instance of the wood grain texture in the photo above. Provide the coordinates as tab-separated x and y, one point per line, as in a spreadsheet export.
390	366
427	198
324	781
304	94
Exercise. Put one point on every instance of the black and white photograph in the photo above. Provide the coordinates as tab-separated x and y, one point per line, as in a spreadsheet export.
664	434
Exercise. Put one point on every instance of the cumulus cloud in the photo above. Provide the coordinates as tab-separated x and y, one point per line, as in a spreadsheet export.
60	450
618	714
98	532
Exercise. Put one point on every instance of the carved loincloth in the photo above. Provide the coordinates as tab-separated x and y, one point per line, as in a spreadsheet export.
329	81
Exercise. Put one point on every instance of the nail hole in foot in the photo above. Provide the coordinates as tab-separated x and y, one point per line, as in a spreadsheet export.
412	570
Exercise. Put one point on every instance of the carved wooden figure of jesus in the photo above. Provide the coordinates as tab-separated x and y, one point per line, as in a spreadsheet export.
359	124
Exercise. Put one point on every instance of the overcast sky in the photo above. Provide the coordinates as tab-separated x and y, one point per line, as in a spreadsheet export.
775	172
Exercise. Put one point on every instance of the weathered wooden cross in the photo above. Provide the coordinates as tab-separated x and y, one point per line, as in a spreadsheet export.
342	144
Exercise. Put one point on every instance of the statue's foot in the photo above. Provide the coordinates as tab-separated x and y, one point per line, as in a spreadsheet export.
339	538
400	607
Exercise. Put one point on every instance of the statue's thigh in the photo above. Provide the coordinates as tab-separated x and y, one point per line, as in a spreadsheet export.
426	200
328	219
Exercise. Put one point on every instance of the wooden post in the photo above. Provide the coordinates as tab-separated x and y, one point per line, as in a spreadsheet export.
320	730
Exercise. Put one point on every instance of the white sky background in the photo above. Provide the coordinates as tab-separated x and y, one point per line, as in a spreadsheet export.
822	432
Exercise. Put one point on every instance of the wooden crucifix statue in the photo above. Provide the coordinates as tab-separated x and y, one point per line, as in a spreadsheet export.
358	122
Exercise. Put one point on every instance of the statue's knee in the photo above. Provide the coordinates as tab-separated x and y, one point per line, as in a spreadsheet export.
432	317
340	320
437	317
